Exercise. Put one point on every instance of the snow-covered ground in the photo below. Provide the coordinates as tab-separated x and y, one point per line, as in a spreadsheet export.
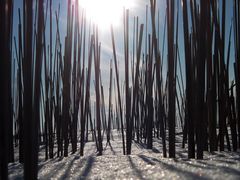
142	164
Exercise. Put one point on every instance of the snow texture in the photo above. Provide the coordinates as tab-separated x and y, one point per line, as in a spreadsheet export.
141	164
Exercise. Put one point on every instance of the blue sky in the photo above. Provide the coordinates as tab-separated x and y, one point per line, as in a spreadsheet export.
138	9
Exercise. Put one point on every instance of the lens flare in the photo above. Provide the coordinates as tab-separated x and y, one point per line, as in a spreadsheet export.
105	12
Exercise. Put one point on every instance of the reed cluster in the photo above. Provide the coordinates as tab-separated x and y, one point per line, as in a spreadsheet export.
46	85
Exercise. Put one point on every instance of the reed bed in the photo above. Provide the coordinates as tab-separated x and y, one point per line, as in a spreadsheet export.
45	95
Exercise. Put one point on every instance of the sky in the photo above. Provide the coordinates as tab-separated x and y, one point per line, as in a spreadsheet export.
137	8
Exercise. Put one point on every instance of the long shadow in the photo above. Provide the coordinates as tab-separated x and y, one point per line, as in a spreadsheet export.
142	145
56	169
169	167
226	161
155	150
146	159
43	163
68	169
224	169
188	163
90	161
53	171
133	166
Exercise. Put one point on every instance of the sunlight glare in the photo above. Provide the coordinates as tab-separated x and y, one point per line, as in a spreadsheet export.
105	12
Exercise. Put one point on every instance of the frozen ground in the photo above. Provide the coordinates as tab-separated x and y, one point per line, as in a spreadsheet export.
142	164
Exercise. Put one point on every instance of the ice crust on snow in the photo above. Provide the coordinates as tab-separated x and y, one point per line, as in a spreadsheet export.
141	164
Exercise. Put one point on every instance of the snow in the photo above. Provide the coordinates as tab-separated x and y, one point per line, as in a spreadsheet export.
141	164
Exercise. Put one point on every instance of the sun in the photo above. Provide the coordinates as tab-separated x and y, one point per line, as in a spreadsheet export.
105	12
